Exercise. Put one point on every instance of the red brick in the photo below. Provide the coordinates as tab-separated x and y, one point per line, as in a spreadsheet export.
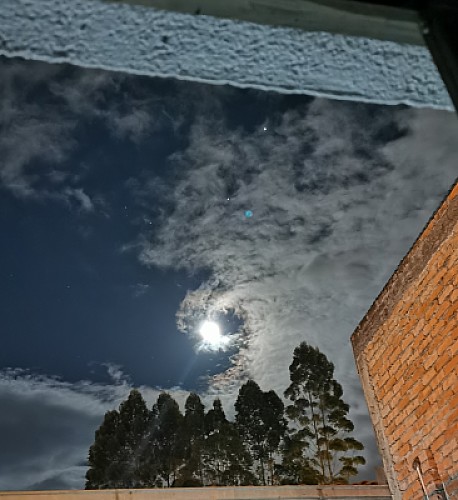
444	293
428	376
451	368
439	311
414	354
436	275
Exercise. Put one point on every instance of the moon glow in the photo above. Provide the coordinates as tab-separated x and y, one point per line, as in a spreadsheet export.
211	335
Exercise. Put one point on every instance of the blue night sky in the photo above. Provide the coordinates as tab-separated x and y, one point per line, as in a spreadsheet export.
133	208
72	299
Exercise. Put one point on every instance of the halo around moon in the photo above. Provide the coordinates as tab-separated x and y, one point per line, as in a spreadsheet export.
211	335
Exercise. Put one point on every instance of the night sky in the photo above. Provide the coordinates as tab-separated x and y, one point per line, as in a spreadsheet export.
132	209
74	300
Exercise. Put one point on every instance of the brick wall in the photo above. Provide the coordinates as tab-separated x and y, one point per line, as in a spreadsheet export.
406	354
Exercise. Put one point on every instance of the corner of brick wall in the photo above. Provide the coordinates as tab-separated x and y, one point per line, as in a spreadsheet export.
406	354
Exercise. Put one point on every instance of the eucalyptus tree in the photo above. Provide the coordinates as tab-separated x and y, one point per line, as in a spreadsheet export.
165	444
103	453
114	458
296	466
322	428
193	435
134	420
224	457
261	424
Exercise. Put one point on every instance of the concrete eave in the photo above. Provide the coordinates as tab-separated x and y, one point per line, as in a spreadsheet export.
343	492
345	17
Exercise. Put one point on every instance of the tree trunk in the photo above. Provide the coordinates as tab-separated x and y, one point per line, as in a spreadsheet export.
331	475
316	435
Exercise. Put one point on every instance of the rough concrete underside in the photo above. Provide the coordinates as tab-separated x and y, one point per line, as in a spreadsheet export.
142	40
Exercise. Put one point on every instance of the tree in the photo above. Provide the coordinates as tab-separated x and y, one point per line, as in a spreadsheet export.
165	444
320	416
193	434
296	467
132	429
102	454
224	457
114	456
261	424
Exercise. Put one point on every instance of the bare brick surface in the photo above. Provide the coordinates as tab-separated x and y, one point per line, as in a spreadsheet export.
406	353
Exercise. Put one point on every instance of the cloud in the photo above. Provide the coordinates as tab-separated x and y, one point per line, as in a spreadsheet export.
116	373
41	112
47	426
51	441
338	193
133	126
84	201
139	289
37	137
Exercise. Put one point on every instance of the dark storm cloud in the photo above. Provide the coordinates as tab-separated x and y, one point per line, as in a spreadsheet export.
47	426
337	191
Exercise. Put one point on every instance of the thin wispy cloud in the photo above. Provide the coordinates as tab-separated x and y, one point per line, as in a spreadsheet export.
139	289
47	425
38	138
337	192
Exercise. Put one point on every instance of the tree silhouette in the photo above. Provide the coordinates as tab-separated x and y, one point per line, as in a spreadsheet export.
193	435
166	438
103	454
320	416
261	424
114	458
224	457
138	448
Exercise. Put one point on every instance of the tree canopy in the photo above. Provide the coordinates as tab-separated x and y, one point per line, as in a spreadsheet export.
321	418
260	421
309	442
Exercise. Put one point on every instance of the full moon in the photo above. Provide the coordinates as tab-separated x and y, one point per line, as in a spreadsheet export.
211	334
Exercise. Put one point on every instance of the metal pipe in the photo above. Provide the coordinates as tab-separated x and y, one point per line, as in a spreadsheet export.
420	478
442	492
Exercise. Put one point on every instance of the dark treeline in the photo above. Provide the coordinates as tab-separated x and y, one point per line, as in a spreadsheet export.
308	442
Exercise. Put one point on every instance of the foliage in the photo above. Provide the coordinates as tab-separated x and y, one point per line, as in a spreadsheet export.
193	436
114	458
139	448
168	448
102	454
320	416
226	461
261	424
